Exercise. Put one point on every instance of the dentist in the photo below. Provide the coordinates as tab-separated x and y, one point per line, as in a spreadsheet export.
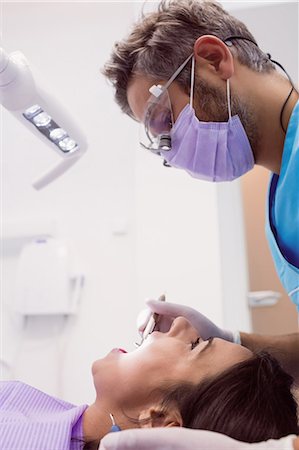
213	104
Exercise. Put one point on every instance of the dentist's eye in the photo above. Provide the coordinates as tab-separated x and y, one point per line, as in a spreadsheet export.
195	343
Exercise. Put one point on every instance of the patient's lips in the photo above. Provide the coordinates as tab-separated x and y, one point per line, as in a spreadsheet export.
118	350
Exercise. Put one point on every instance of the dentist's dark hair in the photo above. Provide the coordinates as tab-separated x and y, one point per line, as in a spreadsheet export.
161	40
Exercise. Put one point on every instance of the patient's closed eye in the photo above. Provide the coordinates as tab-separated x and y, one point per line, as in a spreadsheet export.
198	340
195	343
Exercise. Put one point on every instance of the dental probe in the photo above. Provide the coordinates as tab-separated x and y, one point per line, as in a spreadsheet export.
153	320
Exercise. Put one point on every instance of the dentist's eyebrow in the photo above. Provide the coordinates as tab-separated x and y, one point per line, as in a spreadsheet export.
207	346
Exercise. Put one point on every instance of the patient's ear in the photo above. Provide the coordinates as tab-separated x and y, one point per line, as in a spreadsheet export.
155	417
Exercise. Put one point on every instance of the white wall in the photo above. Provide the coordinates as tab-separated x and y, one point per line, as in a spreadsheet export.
68	43
175	231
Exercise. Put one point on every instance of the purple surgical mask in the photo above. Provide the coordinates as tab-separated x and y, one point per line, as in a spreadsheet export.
212	151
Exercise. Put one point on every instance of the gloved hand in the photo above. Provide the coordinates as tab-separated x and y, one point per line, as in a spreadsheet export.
168	311
185	439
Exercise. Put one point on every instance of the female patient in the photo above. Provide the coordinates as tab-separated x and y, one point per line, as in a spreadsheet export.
173	379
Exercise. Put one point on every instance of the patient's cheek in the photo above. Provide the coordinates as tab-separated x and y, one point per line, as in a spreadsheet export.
229	358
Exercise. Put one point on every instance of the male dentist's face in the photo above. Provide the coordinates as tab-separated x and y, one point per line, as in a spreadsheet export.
210	102
164	358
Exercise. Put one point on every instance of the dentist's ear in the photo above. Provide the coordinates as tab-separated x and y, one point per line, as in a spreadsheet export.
154	417
213	55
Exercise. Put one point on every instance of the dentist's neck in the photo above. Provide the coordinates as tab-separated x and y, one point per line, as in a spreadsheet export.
269	100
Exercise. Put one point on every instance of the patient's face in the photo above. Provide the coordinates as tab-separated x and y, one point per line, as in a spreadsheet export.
163	358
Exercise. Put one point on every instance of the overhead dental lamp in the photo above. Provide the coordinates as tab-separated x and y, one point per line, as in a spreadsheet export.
21	94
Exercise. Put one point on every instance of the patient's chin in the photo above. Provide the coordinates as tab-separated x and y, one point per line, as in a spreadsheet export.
107	360
100	365
95	367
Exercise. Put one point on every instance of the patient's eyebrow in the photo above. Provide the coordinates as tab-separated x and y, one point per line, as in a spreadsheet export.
208	345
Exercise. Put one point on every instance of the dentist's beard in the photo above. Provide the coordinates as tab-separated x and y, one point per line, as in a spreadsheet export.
210	104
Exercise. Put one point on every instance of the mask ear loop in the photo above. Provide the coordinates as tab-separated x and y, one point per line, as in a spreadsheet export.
176	73
192	82
228	99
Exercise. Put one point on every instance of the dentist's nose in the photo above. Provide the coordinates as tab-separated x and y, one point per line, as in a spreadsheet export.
182	329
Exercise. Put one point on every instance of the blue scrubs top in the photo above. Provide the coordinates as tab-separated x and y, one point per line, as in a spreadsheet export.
282	221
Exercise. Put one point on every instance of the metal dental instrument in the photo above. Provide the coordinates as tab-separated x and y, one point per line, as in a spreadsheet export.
152	322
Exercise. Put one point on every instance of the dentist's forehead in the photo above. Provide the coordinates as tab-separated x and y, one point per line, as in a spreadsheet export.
138	94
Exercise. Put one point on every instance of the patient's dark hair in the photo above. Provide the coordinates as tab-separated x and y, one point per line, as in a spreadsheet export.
251	401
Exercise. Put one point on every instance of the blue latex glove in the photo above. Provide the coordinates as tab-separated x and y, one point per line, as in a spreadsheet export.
169	311
185	439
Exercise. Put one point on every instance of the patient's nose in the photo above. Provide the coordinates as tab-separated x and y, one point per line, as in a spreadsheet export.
181	328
